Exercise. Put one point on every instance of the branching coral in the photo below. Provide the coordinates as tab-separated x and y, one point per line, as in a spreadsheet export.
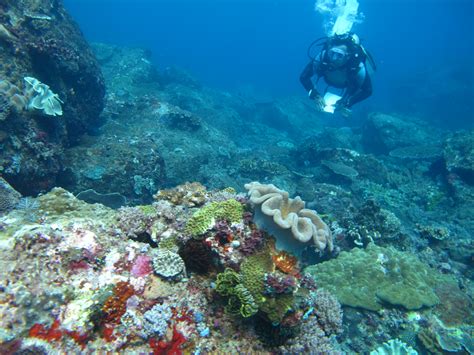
155	320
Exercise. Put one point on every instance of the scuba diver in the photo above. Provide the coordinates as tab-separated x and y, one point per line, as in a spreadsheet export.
342	64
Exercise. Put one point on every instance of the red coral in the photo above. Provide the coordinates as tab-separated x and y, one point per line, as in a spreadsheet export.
54	333
116	305
173	347
41	332
79	338
286	263
78	265
183	315
108	334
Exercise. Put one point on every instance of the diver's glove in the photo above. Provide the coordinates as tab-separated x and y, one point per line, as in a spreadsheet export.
343	108
318	99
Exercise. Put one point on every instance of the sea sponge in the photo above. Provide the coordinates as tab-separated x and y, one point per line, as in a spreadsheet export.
204	219
287	220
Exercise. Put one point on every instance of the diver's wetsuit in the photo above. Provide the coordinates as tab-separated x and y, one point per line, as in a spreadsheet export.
355	81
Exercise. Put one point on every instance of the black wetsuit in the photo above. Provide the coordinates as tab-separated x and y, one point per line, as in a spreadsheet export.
352	77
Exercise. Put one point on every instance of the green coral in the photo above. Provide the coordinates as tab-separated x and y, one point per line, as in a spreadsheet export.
248	307
230	210
168	243
392	347
226	281
370	277
245	291
277	307
240	299
148	210
253	271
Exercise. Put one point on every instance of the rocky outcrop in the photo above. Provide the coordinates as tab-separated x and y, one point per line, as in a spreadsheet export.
38	39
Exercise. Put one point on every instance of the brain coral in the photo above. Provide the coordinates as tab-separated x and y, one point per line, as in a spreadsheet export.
287	220
371	277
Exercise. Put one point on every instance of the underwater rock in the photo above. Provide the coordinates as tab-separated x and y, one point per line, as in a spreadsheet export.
112	200
459	156
383	133
129	66
133	171
53	52
9	197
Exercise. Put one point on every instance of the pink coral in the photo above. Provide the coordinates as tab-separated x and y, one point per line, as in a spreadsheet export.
141	266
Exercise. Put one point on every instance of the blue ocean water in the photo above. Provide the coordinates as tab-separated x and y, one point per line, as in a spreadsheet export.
423	49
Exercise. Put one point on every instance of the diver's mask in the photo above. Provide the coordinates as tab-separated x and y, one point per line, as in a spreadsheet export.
337	56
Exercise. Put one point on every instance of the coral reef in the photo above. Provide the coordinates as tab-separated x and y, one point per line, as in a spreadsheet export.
190	269
189	194
197	256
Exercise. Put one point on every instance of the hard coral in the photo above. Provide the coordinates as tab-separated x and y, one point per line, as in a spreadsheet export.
204	219
328	311
371	277
155	320
240	300
167	263
189	194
